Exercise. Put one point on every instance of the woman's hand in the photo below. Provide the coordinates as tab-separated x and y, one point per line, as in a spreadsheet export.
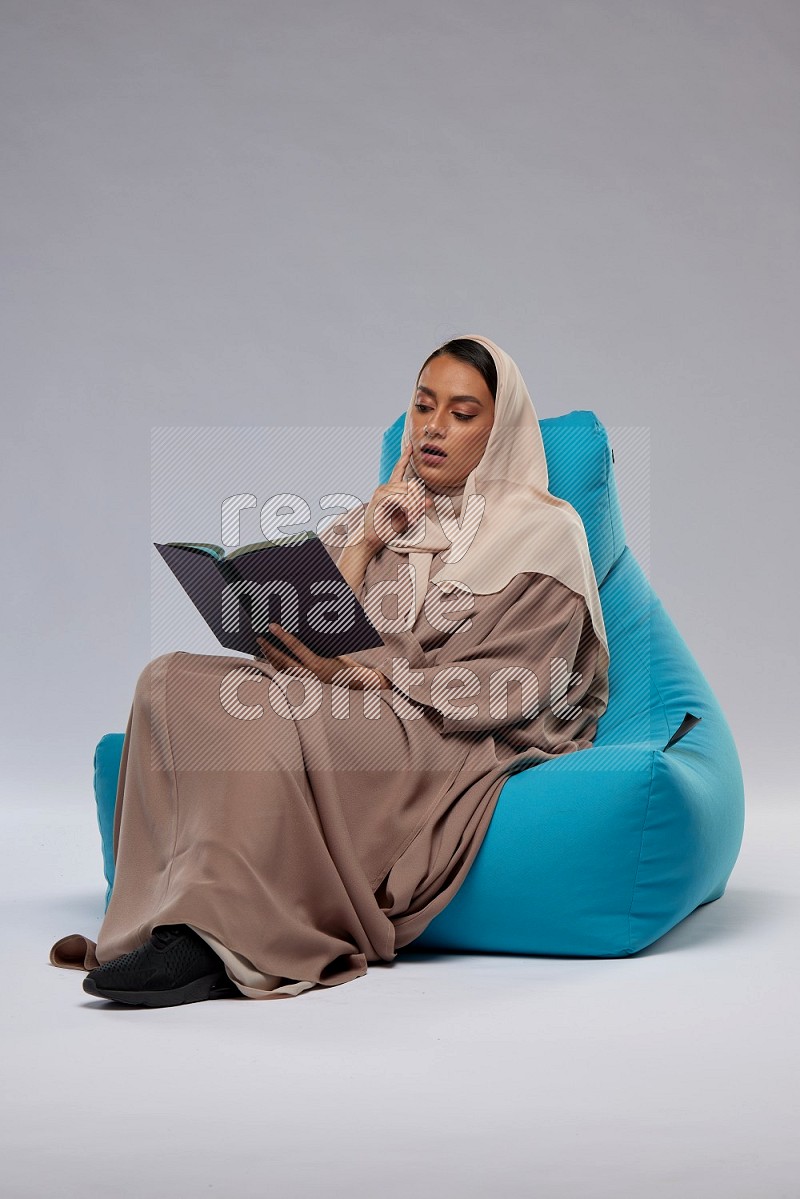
305	660
394	506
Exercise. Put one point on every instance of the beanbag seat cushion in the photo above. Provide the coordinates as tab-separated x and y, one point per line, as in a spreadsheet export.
596	853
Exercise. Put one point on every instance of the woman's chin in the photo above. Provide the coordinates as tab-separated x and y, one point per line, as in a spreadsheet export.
444	486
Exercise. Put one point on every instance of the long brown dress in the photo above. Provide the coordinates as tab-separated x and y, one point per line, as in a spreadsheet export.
304	843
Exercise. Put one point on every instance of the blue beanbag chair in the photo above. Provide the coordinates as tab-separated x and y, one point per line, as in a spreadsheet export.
596	853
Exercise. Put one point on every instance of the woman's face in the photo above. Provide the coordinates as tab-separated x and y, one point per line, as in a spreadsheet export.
454	403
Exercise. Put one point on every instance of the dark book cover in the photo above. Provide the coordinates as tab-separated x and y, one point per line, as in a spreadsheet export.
296	584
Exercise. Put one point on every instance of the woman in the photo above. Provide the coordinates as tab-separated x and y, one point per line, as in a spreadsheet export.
326	826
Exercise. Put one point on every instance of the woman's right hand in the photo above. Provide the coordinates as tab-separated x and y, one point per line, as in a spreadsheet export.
394	506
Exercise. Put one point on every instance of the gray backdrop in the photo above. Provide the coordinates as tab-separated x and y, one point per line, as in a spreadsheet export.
238	214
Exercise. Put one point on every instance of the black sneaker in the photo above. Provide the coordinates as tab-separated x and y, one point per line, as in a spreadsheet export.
174	966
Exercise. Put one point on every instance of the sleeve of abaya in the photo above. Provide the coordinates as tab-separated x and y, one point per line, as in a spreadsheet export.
516	655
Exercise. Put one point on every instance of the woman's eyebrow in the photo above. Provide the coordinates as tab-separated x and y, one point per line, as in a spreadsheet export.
461	399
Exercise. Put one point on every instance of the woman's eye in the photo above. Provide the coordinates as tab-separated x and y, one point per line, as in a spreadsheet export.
458	415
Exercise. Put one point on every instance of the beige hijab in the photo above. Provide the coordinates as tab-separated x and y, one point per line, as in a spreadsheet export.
508	519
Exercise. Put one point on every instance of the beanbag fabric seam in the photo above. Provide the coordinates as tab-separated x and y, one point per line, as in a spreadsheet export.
629	949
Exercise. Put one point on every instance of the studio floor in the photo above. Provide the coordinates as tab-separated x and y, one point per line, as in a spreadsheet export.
671	1073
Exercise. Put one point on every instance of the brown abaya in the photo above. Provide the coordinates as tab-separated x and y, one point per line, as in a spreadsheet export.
304	844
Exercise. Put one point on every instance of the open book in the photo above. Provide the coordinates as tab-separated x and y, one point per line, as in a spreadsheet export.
293	580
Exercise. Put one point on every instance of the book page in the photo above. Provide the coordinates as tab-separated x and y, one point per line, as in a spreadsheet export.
216	551
295	539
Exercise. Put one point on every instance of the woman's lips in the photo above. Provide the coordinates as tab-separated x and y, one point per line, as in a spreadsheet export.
432	457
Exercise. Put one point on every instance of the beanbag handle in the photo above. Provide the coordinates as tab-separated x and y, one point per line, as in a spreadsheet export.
688	722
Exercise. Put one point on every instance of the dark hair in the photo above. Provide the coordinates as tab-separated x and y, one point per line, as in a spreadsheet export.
471	352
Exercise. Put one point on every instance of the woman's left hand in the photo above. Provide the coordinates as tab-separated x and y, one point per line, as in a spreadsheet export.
324	668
